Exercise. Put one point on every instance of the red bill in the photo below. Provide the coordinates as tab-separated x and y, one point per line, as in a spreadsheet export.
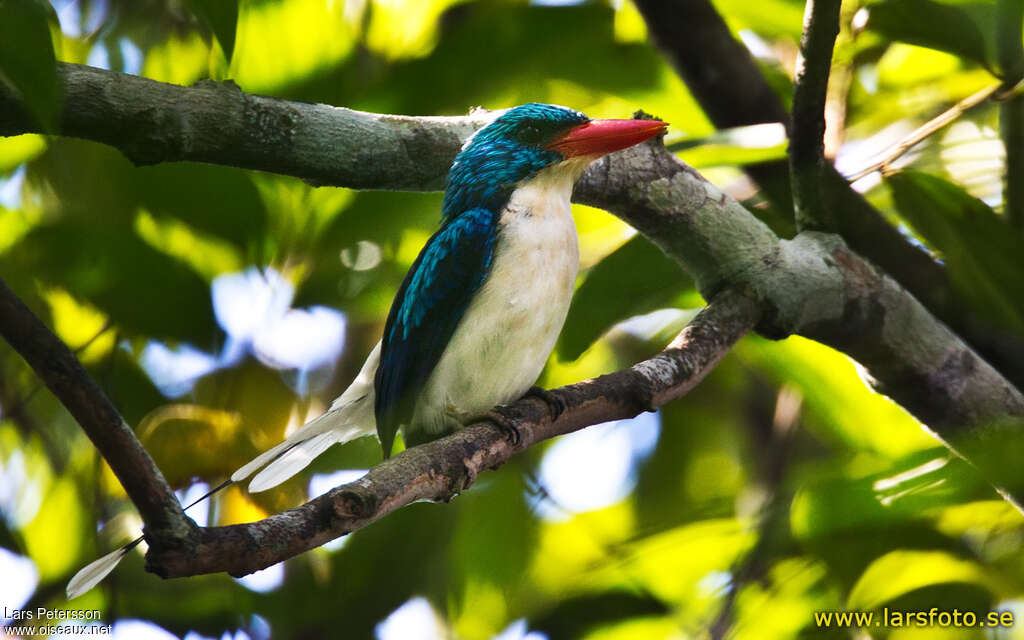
599	137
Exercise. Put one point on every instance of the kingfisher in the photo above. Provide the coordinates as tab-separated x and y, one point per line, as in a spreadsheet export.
478	314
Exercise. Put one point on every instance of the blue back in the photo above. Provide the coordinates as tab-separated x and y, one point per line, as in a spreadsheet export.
456	260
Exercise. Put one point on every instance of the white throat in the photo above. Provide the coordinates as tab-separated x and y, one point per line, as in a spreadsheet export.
547	193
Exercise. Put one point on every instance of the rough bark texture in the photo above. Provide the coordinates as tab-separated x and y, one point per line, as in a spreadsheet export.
152	122
730	87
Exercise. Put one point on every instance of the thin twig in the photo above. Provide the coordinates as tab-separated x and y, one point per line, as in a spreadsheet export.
925	130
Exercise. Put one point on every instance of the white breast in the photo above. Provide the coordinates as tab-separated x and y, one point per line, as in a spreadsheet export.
504	339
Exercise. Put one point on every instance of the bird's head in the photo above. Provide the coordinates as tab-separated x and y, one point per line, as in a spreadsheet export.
526	139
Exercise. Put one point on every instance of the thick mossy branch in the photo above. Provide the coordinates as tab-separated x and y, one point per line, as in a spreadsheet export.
216	122
733	92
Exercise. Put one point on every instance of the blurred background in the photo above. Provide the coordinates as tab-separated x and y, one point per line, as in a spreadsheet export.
220	308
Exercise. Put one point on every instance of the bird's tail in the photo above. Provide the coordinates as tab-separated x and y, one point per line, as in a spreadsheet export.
350	417
339	425
90	575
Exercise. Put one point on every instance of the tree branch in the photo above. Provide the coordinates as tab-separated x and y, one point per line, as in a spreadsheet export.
813	285
152	122
721	74
716	67
65	376
1011	127
807	135
440	469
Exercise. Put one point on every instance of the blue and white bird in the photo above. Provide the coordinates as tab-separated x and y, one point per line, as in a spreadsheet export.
479	311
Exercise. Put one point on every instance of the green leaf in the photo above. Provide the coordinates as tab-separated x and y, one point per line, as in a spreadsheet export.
27	62
575	616
219	200
221	16
849	519
838	407
190	440
546	42
635	278
926	23
768	18
54	537
142	290
900	572
129	387
982	252
490	549
672	563
838	504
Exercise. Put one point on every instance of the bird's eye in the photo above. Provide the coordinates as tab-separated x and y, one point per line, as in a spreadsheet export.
529	134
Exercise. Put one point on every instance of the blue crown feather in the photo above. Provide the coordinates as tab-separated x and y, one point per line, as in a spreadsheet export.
504	153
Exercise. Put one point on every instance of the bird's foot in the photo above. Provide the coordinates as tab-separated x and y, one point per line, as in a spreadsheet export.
556	406
499	416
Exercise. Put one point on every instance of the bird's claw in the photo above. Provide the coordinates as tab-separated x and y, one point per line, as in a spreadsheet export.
505	422
556	406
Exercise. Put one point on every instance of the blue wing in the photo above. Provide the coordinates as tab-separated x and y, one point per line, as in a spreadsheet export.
430	303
